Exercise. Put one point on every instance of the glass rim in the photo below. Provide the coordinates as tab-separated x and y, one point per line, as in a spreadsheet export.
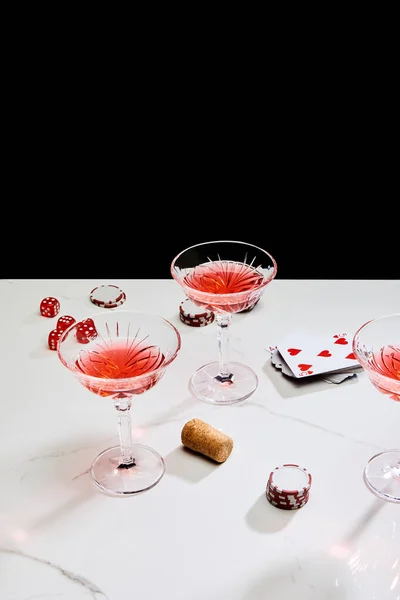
145	376
202	294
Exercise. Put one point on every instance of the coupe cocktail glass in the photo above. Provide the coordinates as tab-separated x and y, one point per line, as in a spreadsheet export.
225	277
120	355
376	345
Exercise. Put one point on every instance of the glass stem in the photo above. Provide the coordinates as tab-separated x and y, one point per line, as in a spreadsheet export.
223	322
123	406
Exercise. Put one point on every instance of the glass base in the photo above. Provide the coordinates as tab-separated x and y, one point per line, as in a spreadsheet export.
111	478
205	385
382	475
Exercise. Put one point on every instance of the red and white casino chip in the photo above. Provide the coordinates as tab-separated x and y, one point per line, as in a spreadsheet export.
286	502
107	296
193	315
288	486
115	304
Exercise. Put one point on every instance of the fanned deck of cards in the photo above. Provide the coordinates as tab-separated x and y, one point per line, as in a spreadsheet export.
328	357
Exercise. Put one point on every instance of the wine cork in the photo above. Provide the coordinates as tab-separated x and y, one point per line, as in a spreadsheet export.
203	438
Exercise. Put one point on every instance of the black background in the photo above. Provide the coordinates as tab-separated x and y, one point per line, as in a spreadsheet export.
103	223
111	168
121	238
99	195
108	220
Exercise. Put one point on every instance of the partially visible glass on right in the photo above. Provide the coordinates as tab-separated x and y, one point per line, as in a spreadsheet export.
376	346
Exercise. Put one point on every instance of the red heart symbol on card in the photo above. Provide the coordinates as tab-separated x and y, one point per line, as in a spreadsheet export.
304	367
351	356
325	353
293	351
342	341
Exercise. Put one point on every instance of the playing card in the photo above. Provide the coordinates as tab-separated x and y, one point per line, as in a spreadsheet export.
306	354
331	377
279	363
337	377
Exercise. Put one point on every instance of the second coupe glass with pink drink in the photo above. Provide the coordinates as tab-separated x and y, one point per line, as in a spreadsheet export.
224	277
376	345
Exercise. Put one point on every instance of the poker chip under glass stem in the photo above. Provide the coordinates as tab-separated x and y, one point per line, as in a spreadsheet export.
193	315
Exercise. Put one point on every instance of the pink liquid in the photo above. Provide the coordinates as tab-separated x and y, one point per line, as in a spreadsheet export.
223	277
120	359
386	361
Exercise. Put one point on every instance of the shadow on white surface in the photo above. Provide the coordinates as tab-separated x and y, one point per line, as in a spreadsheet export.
55	480
42	351
55	514
308	578
369	572
188	465
175	413
362	565
68	459
290	387
365	521
265	518
34	317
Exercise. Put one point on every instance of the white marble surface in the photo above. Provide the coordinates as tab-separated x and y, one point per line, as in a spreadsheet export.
206	531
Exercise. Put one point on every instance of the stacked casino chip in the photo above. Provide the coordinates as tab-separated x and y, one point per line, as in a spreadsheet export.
288	487
193	315
107	296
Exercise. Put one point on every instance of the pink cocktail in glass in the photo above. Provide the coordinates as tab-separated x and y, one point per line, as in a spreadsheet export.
376	345
224	277
125	354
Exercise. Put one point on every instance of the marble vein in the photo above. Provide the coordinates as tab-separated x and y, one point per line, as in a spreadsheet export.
43	596
83	473
93	589
57	454
62	453
319	427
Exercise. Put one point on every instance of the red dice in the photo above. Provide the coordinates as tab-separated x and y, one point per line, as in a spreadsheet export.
64	322
53	338
86	331
49	307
